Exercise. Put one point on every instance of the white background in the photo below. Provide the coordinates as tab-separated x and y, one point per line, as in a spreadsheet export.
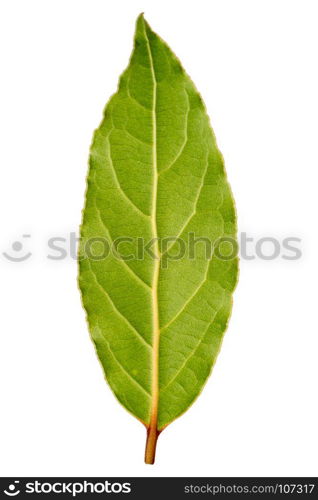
255	64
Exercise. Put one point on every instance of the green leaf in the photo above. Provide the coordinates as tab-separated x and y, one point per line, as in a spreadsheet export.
156	316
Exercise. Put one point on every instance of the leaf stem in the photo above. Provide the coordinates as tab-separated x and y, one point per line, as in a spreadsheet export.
151	444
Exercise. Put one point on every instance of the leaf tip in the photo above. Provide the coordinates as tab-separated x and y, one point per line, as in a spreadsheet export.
141	22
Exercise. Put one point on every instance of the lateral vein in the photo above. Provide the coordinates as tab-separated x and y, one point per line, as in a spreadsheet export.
118	183
187	302
133	273
125	371
193	353
116	308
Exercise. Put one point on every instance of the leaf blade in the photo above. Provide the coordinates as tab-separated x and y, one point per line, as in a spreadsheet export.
156	172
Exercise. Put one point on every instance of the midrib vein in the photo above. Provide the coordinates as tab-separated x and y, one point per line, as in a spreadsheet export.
156	330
